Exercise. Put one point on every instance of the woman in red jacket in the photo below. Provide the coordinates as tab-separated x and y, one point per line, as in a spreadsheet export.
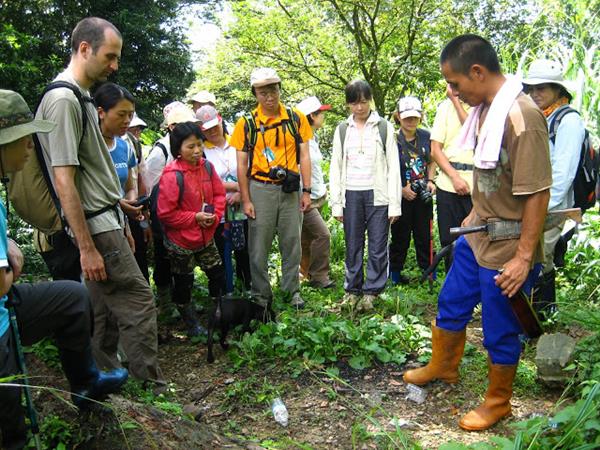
191	202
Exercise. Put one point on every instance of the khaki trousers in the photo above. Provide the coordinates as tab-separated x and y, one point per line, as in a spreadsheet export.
551	237
316	244
276	212
124	311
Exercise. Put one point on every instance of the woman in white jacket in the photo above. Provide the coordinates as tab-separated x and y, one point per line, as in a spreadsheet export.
365	193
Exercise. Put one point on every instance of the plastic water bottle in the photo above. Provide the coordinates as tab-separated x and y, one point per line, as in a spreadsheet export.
280	412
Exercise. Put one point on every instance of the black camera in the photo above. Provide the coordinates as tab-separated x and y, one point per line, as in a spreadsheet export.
277	173
419	187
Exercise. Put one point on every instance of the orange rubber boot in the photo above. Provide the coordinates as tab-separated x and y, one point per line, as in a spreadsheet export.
497	399
446	352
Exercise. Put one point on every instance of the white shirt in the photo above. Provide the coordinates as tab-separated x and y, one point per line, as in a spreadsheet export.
360	147
155	163
318	188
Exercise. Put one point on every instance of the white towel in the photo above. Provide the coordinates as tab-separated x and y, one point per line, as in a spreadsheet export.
487	151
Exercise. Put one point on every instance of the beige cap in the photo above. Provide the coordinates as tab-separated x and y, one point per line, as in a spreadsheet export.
204	97
264	76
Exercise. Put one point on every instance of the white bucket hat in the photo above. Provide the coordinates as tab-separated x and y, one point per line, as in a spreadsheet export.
137	122
546	71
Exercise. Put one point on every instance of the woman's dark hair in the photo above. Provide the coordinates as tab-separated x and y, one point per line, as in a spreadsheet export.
180	133
109	94
357	90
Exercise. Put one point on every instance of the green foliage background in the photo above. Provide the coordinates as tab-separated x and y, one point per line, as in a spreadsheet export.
156	61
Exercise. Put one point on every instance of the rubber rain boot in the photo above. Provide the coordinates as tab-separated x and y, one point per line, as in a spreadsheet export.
86	381
446	352
189	317
497	399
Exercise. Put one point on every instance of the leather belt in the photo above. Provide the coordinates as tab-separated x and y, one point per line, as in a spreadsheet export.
278	183
461	166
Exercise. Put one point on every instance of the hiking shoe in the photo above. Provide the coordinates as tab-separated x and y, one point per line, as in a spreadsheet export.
297	301
350	300
327	284
366	303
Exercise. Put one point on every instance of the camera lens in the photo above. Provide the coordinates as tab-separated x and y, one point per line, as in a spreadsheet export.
280	174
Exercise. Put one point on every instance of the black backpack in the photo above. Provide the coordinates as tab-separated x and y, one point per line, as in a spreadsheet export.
586	177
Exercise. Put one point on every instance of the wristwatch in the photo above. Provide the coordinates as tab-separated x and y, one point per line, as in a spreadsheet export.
307	190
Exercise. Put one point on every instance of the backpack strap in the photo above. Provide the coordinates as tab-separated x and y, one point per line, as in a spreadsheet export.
381	126
209	168
82	99
555	123
137	146
343	127
383	129
179	178
163	147
250	134
293	124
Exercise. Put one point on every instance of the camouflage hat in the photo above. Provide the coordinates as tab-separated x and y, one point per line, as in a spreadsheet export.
16	119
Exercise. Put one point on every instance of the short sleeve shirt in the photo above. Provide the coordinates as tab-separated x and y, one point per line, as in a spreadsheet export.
123	159
446	130
282	145
3	265
95	177
523	169
414	156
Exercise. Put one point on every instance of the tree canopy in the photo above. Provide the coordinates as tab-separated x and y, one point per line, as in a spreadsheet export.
155	65
320	45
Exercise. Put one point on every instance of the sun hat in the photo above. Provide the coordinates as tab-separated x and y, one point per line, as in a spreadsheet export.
546	71
204	97
409	107
264	76
177	112
16	119
208	117
137	122
180	115
310	105
171	106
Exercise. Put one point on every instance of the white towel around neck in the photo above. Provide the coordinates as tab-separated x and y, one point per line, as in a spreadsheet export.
487	150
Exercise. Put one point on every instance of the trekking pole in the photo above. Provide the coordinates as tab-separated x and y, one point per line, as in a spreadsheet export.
431	275
31	412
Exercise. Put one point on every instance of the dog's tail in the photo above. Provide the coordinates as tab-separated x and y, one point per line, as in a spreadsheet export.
448	249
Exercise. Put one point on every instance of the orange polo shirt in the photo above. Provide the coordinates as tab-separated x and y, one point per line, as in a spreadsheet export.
282	145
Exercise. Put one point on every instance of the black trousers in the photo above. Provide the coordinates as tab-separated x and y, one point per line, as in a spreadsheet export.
451	211
242	259
141	247
162	265
58	309
415	220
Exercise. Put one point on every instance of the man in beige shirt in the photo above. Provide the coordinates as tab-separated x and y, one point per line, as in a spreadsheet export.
454	181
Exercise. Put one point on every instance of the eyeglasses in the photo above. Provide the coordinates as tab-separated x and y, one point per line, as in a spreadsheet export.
273	92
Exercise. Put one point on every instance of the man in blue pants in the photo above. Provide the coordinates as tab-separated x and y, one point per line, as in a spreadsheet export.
511	182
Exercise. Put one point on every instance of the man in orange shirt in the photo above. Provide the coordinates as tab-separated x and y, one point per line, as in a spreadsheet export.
272	144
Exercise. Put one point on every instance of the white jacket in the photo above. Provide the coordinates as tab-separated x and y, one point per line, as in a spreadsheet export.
387	189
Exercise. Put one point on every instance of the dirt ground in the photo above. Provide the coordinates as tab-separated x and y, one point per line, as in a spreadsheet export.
362	409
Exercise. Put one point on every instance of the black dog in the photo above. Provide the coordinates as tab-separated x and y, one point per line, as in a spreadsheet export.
230	312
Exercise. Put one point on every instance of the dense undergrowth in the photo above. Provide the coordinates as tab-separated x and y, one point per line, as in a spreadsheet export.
323	337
